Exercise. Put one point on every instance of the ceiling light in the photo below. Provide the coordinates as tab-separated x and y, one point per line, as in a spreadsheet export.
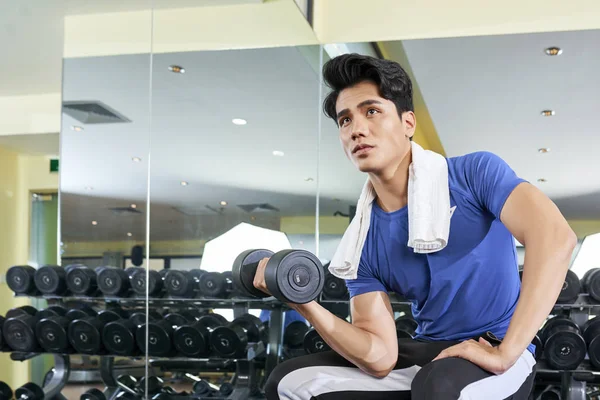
77	128
309	179
133	206
89	188
94	222
544	150
136	159
223	203
301	242
553	51
542	180
548	113
177	69
278	153
129	234
239	121
184	183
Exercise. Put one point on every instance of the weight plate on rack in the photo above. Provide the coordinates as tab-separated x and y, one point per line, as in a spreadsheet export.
53	334
51	279
113	281
406	327
23	310
19	333
244	269
159	338
591	335
119	337
212	284
592	283
180	283
85	335
229	341
570	290
93	394
6	392
564	347
295	276
81	280
314	343
20	279
293	336
191	340
334	288
29	391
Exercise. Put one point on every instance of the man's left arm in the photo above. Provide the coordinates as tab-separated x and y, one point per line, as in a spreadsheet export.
536	222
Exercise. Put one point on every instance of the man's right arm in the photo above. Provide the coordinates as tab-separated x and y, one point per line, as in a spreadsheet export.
370	342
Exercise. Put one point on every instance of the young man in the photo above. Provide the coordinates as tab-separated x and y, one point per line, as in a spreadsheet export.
476	320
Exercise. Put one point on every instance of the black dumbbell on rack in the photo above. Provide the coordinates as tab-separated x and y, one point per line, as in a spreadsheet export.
334	287
405	327
570	290
232	341
85	335
591	335
81	280
20	279
51	280
564	347
119	336
115	282
314	343
160	334
19	329
193	340
6	392
292	276
183	284
30	391
293	339
215	284
590	284
52	328
155	282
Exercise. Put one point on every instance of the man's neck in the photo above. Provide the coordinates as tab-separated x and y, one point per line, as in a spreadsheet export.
391	187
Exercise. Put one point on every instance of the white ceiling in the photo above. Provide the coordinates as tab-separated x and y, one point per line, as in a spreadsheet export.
486	93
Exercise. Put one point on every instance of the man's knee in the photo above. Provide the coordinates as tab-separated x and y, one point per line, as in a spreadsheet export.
438	380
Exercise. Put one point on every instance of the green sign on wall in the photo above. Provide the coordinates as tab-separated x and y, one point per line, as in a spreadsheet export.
54	165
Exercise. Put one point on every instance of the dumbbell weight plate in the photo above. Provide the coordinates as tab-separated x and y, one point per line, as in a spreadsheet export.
93	394
194	340
295	276
570	290
81	280
119	338
293	336
85	335
138	282
180	284
591	334
591	283
23	310
53	334
19	333
6	392
159	338
539	347
313	343
201	388
81	312
334	288
225	389
51	280
113	281
52	311
563	349
29	391
176	319
244	268
405	327
212	284
21	279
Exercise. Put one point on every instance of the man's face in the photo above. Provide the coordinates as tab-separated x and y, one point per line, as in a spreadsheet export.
373	135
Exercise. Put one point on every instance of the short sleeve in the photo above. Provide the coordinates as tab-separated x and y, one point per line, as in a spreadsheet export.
365	281
491	180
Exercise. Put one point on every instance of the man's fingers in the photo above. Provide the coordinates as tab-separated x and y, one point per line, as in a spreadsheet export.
483	341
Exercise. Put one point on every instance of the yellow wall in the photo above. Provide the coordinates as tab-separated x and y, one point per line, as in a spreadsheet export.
19	176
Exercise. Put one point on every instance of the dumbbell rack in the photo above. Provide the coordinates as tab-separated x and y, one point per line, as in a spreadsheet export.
246	373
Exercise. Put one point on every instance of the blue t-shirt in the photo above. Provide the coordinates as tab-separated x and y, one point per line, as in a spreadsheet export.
472	285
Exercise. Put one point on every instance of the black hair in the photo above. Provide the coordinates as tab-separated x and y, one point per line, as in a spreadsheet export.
348	70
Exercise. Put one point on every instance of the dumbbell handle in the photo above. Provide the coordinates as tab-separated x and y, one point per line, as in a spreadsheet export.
196	379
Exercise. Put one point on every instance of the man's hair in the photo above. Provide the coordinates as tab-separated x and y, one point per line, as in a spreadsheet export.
348	70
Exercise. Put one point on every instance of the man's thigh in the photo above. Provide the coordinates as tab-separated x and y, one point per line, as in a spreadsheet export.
456	378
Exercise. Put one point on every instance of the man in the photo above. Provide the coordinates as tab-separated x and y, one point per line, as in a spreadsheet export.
476	320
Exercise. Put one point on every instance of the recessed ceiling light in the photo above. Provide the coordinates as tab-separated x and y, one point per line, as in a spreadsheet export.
89	188
177	69
301	242
136	159
133	206
548	113
77	128
94	222
278	153
239	121
223	203
184	183
553	51
309	179
129	234
542	180
544	150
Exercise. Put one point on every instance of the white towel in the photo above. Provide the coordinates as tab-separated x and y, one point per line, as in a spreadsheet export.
429	213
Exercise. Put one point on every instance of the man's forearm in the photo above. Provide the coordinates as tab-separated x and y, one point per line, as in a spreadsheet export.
546	264
362	348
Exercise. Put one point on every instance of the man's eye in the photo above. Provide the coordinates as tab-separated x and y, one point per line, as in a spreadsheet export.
344	120
372	109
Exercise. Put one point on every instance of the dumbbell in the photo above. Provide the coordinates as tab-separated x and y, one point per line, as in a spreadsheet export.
564	347
213	284
6	392
184	284
160	335
85	335
406	327
114	281
590	284
292	276
80	312
81	280
193	340
2	347
119	336
570	289
539	347
334	287
30	391
20	279
550	394
591	335
52	280
128	387
93	394
232	340
293	339
155	282
314	343
19	329
51	330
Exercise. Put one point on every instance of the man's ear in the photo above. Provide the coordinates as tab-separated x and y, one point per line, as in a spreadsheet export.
409	120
